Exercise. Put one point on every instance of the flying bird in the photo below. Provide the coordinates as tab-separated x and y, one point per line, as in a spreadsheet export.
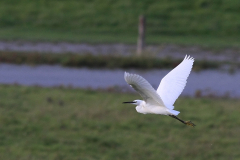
161	101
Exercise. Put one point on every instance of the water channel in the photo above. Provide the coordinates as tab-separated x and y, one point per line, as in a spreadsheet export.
206	82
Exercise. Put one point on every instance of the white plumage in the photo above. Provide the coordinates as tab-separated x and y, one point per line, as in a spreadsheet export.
161	101
172	85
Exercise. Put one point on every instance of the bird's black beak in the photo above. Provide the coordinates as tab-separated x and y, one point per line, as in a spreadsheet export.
128	102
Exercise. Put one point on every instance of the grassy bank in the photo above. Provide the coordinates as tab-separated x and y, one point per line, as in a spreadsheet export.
36	35
182	22
101	61
57	123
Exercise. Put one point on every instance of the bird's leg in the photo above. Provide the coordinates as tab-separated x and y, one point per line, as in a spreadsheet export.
189	123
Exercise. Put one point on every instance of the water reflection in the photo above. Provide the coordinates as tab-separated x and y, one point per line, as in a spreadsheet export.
207	82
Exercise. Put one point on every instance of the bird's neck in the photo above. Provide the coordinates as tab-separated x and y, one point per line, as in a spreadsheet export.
142	103
141	107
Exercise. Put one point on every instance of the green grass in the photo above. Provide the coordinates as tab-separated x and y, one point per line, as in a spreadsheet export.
29	34
187	22
58	123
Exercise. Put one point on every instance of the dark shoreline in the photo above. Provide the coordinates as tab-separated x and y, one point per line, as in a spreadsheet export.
104	61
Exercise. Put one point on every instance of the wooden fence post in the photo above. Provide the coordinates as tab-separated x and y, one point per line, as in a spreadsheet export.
141	35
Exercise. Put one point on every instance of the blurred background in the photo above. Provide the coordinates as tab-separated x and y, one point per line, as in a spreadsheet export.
62	87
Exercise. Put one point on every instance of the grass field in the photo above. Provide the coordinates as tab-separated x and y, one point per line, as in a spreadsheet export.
35	35
58	123
181	22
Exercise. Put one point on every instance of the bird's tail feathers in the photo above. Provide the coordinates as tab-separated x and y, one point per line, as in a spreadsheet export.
174	112
171	107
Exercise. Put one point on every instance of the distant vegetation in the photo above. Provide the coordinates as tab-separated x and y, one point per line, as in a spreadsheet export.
100	61
116	21
57	123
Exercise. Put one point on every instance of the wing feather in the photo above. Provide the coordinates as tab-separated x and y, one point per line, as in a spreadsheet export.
146	91
172	85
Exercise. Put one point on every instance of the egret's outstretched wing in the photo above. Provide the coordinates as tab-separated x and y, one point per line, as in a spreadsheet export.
172	85
147	92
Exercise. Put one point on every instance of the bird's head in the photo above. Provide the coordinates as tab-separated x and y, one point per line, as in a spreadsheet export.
135	102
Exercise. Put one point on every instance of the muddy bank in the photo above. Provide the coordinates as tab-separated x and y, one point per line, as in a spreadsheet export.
162	51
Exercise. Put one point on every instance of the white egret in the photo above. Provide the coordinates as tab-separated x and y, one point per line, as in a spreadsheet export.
161	101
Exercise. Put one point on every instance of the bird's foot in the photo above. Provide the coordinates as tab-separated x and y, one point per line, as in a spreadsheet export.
189	123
